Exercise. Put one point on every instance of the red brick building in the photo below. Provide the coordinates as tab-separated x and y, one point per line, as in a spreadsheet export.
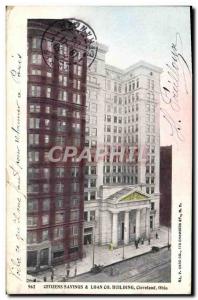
56	105
165	185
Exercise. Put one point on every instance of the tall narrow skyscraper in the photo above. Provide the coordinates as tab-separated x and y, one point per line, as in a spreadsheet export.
55	117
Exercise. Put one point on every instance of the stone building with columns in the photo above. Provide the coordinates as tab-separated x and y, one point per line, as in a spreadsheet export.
122	198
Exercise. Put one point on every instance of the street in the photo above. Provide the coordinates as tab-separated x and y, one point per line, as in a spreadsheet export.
151	267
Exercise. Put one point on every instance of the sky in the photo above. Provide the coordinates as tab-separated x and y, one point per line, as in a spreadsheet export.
137	33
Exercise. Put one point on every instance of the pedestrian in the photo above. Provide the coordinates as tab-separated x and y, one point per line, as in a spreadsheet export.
67	267
75	271
149	241
68	271
142	241
52	274
136	244
156	236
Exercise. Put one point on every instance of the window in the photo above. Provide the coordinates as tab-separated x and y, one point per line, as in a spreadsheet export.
45	219
58	232
108	118
33	139
92	215
86	196
62	80
93	107
46	172
59	188
77	70
35	91
93	143
119	120
48	92
62	95
59	218
47	123
31	237
152	108
76	84
36	72
33	156
34	108
61	112
34	123
92	182
46	204
49	74
36	59
152	205
76	114
93	131
74	171
73	243
61	126
85	216
46	139
36	43
32	205
74	201
92	196
76	99
93	120
93	170
32	221
59	203
152	85
74	230
74	215
75	187
46	188
47	109
60	140
59	172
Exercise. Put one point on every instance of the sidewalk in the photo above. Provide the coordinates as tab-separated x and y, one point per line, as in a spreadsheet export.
104	256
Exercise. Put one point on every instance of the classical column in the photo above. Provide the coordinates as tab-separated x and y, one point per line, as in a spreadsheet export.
126	227
115	230
137	226
147	222
50	257
38	259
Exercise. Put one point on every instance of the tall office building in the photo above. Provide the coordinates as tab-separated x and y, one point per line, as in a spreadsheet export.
122	196
56	105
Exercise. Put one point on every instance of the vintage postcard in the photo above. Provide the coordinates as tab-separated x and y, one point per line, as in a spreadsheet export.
99	150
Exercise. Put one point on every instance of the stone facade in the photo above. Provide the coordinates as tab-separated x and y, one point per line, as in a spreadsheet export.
122	110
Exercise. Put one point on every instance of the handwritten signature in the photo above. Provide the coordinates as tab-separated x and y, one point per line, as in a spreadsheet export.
177	70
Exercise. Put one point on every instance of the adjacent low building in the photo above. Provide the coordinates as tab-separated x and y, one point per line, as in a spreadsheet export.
165	185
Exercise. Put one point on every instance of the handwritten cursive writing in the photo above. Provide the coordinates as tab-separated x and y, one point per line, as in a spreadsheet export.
14	173
177	70
16	71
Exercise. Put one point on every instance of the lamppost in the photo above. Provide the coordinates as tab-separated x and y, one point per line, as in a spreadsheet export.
93	242
123	244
